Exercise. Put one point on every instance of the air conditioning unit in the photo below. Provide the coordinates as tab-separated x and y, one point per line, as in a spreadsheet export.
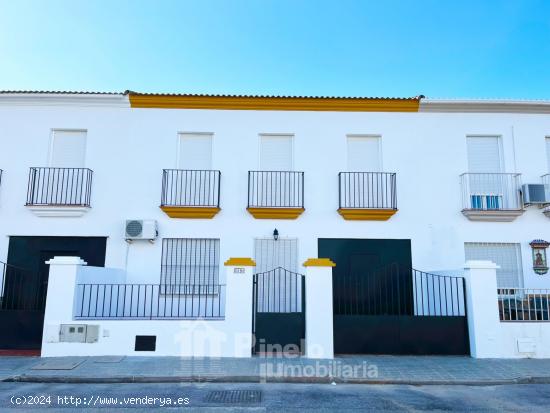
137	229
534	194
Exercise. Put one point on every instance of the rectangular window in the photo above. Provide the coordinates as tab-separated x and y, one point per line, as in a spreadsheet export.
548	153
276	152
190	265
506	255
195	151
68	149
277	290
364	153
484	154
270	254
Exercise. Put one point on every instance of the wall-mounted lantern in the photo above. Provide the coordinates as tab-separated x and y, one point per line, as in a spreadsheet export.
540	263
275	234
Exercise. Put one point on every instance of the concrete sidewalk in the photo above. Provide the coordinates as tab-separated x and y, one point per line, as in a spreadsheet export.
352	369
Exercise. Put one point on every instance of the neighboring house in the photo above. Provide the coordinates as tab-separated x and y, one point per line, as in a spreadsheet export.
429	183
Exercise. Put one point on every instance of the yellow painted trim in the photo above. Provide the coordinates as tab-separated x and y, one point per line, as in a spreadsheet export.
319	262
190	212
274	103
275	213
240	262
355	214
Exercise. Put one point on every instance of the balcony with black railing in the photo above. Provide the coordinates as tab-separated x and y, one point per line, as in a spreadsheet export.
275	194
367	195
546	182
59	191
491	196
190	193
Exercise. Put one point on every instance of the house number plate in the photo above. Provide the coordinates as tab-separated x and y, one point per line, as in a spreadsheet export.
238	270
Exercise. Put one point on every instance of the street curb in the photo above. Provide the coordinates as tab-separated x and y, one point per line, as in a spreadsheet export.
256	379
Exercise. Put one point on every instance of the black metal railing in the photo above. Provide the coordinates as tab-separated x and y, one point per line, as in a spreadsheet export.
491	191
524	304
365	190
395	290
275	189
546	182
278	291
20	289
181	187
149	301
59	186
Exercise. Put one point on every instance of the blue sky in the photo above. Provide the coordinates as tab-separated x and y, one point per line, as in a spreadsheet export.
440	48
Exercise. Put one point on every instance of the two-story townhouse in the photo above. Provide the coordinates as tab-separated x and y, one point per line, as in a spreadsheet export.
366	182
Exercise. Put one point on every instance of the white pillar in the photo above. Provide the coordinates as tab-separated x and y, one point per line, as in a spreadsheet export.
482	308
60	296
319	327
238	309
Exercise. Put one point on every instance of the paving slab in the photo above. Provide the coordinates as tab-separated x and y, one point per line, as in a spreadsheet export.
58	364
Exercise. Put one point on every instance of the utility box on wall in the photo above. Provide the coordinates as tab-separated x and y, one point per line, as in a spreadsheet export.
78	333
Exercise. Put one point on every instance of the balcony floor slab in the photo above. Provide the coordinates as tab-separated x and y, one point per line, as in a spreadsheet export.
366	214
188	212
275	213
53	211
492	215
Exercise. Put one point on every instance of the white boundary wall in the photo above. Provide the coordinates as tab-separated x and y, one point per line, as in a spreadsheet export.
231	337
489	337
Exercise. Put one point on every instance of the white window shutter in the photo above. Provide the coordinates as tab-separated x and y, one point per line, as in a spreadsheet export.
484	154
68	149
276	152
195	151
364	154
270	254
506	255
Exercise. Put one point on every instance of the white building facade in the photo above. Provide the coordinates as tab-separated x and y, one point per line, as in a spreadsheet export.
221	175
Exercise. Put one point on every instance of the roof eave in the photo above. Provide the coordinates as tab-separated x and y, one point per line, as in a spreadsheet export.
485	106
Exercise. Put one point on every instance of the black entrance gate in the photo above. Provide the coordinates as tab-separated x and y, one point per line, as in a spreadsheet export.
22	302
278	321
24	284
397	310
382	306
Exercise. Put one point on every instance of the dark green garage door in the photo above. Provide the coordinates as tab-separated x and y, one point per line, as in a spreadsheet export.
21	324
383	306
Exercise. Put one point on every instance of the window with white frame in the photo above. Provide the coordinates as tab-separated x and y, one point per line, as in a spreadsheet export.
548	153
506	255
190	265
364	153
276	152
68	148
195	151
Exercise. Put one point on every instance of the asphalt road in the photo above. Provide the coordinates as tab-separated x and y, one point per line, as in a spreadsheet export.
275	397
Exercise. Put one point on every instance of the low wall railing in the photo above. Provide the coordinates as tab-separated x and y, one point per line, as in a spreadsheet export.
149	301
524	304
